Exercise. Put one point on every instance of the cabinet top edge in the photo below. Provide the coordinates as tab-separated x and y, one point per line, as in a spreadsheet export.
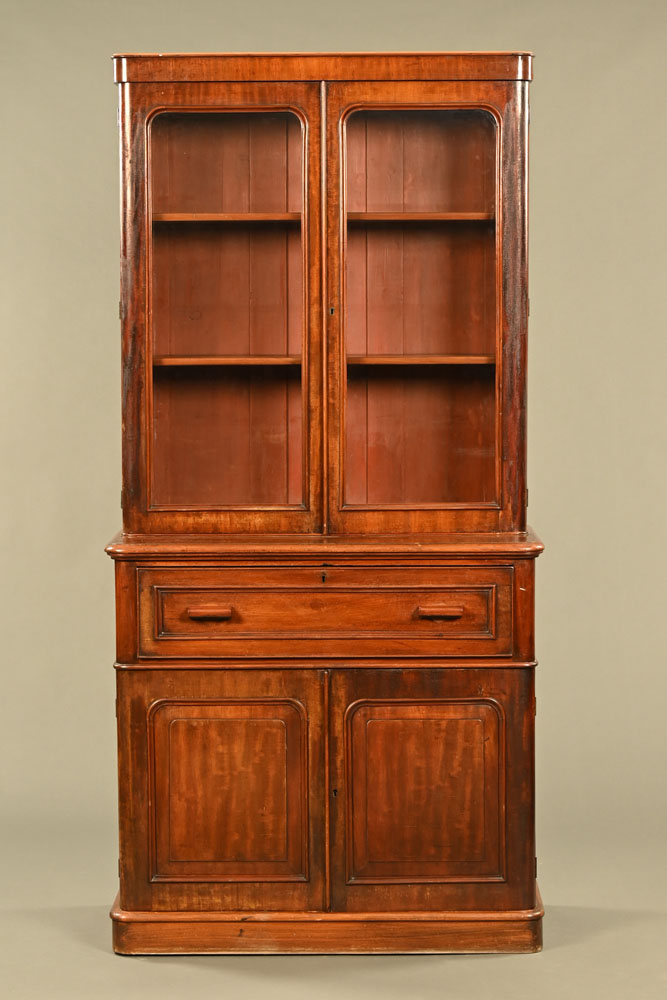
514	544
201	67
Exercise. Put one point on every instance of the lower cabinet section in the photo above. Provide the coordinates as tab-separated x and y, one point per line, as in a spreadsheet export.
299	799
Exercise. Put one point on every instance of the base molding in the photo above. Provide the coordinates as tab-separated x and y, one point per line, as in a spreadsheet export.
192	932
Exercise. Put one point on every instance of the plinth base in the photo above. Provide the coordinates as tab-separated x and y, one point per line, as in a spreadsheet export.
188	932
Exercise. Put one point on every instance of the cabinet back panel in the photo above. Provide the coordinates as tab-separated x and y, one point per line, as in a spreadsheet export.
226	162
227	289
421	288
421	161
227	437
424	436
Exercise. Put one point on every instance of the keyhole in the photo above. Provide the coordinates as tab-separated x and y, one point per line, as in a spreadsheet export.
335	792
332	310
324	578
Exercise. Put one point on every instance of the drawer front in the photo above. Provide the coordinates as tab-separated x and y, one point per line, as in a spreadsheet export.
325	611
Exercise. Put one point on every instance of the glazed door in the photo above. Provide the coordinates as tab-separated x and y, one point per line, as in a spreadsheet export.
232	315
230	814
423	321
431	775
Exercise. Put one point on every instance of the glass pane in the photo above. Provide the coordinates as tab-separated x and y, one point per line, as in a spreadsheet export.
421	161
227	435
420	323
226	162
227	309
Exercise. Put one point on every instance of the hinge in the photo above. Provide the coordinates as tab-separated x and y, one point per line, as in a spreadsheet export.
118	116
535	867
528	306
120	309
526	496
119	868
116	707
535	706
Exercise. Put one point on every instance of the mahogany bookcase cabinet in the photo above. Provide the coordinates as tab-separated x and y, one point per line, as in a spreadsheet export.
325	653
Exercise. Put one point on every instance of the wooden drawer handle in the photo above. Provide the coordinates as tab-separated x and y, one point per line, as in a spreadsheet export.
209	612
439	611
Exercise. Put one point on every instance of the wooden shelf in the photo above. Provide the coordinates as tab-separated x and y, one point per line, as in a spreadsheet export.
420	359
220	361
226	217
419	216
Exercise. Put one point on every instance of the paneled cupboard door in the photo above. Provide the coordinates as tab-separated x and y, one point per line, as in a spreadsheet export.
431	780
426	322
227	226
230	815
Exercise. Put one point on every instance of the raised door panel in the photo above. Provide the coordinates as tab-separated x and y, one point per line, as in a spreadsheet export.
229	789
441	819
431	773
230	814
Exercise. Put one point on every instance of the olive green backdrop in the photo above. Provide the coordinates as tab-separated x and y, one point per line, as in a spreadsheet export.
597	476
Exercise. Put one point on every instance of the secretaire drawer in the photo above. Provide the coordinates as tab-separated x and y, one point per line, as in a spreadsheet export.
325	611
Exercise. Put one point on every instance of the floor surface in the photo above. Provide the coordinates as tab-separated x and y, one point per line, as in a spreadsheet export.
601	939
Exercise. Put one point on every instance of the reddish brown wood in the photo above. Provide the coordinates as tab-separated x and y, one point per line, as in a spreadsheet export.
422	162
221	289
229	164
326	612
203	755
416	438
325	584
253	419
406	746
447	611
230	790
500	503
508	546
220	360
372	298
431	825
419	216
226	291
203	278
126	611
137	933
440	66
245	217
420	359
210	612
421	288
